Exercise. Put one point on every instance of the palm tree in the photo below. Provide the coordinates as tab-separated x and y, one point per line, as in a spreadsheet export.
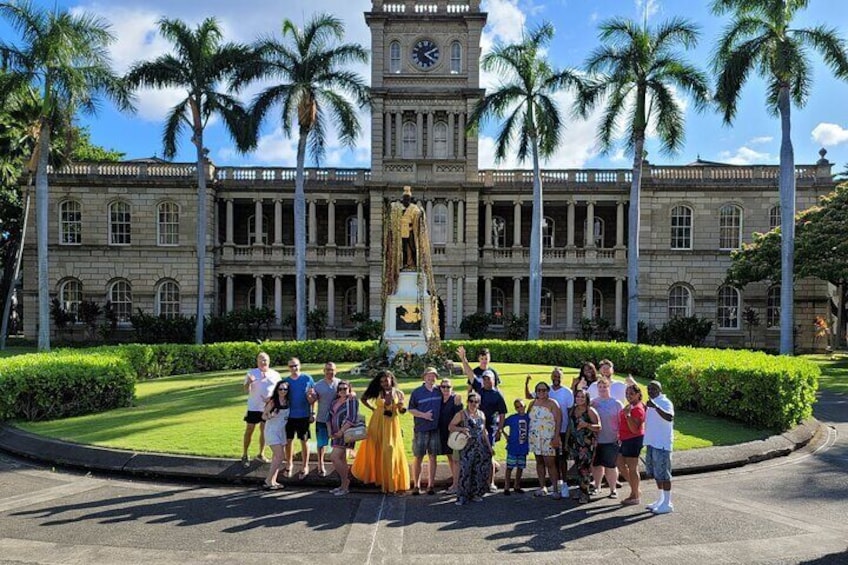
199	64
64	56
760	39
311	64
525	97
636	71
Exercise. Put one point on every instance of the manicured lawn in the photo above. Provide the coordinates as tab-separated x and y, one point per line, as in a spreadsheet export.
834	370
202	415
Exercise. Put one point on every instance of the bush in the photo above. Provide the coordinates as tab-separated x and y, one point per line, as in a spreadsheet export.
159	329
365	328
515	327
64	383
691	331
252	324
476	325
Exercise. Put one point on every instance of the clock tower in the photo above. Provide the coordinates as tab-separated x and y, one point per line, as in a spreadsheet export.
425	81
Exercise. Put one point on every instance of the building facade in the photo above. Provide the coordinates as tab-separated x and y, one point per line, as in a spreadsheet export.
124	232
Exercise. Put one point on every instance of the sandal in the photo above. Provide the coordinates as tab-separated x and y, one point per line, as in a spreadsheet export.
272	486
286	472
322	473
541	492
302	474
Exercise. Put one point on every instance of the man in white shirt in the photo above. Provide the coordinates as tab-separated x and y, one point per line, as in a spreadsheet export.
618	389
258	384
659	438
565	398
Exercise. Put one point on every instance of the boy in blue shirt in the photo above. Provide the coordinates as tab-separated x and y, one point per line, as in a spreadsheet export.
517	445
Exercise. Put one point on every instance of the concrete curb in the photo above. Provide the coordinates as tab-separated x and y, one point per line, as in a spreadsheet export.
17	442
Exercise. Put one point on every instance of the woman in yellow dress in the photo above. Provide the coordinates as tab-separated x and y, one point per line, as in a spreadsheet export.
381	459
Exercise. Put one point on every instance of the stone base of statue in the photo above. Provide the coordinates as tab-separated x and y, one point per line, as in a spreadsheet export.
405	317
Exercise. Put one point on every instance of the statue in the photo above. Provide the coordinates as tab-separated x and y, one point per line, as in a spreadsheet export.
406	242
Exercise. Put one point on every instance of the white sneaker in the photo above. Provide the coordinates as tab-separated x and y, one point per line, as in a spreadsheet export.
653	505
664	509
563	490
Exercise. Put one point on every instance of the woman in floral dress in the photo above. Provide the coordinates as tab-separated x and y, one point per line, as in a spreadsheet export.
585	424
545	422
475	459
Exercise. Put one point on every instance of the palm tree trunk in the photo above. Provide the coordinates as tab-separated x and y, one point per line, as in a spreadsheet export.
300	240
200	310
787	225
41	201
19	252
534	303
633	242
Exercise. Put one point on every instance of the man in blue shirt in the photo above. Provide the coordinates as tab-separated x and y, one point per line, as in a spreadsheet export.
301	415
425	404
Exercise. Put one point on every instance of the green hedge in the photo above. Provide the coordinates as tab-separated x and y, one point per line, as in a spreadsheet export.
64	383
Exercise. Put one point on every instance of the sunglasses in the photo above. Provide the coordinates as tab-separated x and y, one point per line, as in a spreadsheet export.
473	402
293	366
445	386
541	390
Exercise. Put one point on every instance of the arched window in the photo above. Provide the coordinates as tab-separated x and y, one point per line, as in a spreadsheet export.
394	57
548	232
681	227
440	140
349	306
727	313
679	302
773	307
774	217
498	306
410	141
352	231
120	295
168	225
70	223
597	305
266	296
546	309
440	224
456	58
168	299
70	296
251	229
120	229
498	232
730	227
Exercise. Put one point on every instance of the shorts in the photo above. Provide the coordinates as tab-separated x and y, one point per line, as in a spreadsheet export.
631	447
606	455
298	428
322	435
253	417
515	461
658	463
429	442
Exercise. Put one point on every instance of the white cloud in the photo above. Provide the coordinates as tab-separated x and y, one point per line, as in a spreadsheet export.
746	156
647	8
829	134
760	140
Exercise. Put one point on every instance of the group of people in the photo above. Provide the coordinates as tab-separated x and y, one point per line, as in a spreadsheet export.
599	423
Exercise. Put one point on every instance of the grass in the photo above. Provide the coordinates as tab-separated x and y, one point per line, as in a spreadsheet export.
202	415
834	370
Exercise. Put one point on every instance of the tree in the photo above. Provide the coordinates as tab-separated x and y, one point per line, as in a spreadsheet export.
64	56
525	98
312	67
201	62
635	72
760	39
821	251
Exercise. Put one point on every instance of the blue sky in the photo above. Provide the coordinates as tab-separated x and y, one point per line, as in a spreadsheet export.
754	137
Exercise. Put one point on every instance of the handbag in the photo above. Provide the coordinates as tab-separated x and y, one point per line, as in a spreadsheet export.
357	432
458	440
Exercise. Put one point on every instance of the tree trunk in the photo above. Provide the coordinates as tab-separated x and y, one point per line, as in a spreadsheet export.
300	239
534	303
839	337
787	226
19	252
41	201
633	242
200	310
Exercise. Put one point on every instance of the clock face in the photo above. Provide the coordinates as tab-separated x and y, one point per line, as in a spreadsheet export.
425	54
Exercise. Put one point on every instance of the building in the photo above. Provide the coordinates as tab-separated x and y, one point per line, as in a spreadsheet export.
125	232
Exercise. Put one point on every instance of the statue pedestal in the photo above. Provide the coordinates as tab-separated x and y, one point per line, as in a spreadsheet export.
404	317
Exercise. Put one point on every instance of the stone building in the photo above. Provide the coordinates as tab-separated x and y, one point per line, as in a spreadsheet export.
125	232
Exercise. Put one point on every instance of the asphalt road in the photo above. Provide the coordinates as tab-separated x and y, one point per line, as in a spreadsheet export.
789	510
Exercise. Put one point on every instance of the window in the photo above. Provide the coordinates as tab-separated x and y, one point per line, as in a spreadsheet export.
266	297
730	227
728	308
120	295
681	227
352	227
440	224
773	307
70	296
169	223
679	302
440	140
498	306
349	306
168	299
597	305
394	57
119	223
546	310
70	222
251	229
498	232
410	142
548	230
456	58
774	217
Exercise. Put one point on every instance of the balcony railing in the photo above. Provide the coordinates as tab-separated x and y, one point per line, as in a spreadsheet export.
426	6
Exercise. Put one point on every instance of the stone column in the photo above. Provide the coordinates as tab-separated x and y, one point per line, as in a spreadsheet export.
312	293
449	304
590	298
331	301
450	222
460	222
399	132
331	222
429	211
360	293
278	299
460	299
516	296
228	301
360	224
313	223
516	220
257	221
619	294
430	135
451	136
487	294
569	303
570	224
278	221
619	224
387	149
257	294
589	240
229	224
487	227
461	137
419	135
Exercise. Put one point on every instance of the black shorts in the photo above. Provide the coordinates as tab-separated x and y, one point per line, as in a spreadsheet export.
606	455
631	447
253	417
297	428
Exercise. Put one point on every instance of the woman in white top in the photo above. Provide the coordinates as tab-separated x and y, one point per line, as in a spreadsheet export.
275	416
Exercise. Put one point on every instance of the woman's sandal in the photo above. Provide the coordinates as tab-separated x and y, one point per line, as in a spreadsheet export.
302	474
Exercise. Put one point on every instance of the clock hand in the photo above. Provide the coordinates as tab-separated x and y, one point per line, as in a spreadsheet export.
430	53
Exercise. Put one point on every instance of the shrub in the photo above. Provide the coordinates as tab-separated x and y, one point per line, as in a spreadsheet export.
365	328
159	329
691	331
476	325
515	327
316	321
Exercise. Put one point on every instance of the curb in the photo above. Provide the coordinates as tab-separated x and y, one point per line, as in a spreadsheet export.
50	451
